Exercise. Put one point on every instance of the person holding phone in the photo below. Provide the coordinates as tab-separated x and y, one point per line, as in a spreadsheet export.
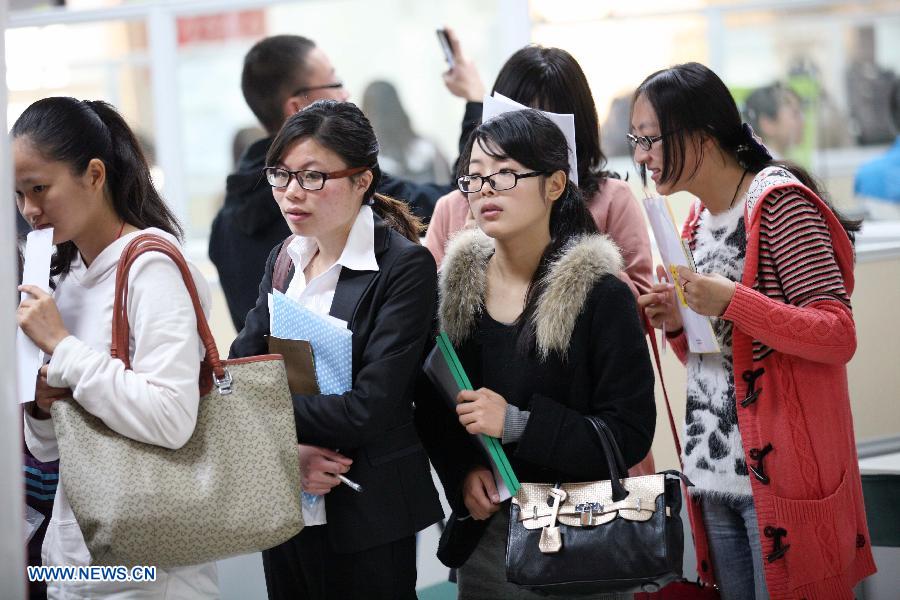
551	79
281	75
546	332
354	255
777	504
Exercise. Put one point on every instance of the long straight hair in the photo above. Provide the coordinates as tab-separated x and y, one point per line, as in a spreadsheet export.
692	102
74	132
534	141
344	129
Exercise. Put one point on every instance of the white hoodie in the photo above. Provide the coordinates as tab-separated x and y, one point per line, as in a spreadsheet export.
154	402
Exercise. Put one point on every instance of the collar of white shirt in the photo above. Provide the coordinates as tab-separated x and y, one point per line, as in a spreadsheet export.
359	251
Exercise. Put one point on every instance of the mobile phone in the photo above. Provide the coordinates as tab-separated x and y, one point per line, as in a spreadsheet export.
445	46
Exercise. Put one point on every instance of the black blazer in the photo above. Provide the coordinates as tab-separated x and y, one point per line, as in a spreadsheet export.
390	313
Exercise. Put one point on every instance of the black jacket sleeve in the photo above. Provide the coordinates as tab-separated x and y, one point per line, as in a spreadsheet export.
389	362
251	341
421	197
471	120
622	394
450	448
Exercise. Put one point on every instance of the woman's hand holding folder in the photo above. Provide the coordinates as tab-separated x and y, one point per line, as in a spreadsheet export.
481	411
480	493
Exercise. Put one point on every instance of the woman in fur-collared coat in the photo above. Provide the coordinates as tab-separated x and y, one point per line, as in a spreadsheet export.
547	334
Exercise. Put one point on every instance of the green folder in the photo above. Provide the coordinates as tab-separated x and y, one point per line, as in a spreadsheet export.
495	448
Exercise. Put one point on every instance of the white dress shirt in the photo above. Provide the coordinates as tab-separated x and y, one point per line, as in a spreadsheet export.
318	293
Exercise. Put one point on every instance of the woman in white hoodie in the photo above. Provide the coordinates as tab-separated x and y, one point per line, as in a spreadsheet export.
80	170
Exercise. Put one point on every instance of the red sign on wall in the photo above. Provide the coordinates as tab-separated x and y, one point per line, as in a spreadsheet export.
216	28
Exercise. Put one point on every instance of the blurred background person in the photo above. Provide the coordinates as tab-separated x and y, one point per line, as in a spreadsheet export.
402	151
776	115
878	181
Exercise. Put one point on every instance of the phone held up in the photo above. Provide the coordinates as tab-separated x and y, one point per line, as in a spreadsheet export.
446	47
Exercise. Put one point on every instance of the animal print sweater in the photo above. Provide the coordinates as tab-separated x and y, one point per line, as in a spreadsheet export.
796	268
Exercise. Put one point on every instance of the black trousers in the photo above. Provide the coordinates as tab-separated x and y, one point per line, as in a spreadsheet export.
306	568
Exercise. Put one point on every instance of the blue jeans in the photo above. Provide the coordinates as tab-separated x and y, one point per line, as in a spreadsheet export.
733	537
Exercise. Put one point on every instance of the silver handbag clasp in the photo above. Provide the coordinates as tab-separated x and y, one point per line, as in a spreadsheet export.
223	384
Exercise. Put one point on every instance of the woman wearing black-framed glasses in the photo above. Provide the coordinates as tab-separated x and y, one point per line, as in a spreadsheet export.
548	334
353	257
773	479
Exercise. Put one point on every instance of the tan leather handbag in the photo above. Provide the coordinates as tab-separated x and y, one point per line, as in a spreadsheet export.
234	488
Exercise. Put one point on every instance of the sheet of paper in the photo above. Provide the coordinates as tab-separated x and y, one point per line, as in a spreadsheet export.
499	104
698	328
36	271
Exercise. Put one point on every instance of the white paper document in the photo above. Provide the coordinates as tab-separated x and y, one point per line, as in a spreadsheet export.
29	358
698	328
499	104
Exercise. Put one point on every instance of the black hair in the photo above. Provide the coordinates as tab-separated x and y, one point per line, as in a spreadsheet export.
75	132
765	102
691	102
550	79
534	141
344	129
274	68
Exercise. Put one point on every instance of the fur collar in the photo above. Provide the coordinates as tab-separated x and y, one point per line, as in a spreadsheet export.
570	278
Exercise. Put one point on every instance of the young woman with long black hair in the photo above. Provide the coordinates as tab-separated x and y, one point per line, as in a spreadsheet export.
80	170
547	333
354	256
777	504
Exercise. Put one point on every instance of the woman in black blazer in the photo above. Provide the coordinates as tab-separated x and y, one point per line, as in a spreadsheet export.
547	333
359	261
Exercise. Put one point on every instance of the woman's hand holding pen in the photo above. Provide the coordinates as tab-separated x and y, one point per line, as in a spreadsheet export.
481	411
480	494
320	467
661	305
707	295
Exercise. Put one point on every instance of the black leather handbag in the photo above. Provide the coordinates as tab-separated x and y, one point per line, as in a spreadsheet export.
620	535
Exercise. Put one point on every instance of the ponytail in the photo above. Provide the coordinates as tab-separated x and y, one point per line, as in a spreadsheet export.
753	155
397	216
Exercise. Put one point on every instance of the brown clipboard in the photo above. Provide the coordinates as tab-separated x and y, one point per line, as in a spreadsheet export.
299	363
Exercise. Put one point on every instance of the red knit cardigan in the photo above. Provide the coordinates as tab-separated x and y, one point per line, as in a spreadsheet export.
811	516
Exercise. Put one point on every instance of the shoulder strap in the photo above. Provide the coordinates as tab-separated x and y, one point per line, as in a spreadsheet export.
652	333
149	242
283	265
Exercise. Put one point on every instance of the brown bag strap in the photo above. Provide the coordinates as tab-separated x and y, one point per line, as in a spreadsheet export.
283	264
662	382
149	242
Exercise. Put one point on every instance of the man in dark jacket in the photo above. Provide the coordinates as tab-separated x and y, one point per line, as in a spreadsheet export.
282	75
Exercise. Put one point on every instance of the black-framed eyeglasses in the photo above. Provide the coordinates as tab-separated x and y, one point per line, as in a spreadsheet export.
328	86
645	141
504	180
312	181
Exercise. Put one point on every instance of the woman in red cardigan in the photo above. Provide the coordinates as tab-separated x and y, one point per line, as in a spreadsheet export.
777	506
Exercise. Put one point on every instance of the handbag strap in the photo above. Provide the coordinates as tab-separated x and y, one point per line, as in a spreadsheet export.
148	242
283	264
662	382
614	459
